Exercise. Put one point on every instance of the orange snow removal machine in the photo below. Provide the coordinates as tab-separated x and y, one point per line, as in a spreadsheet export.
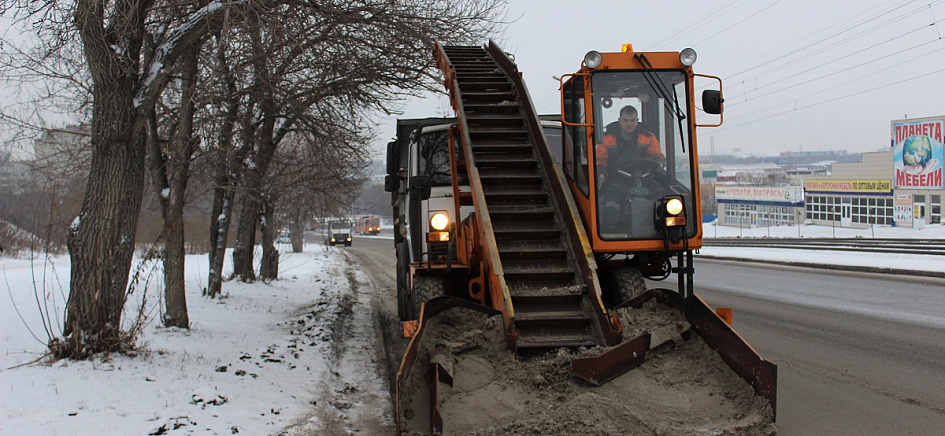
555	223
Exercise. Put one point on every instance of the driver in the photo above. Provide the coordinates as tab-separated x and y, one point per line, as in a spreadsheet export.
631	141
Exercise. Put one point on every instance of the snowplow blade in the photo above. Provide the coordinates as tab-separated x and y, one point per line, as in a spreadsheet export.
439	372
614	362
717	334
741	357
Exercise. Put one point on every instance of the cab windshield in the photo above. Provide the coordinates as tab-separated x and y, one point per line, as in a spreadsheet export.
642	150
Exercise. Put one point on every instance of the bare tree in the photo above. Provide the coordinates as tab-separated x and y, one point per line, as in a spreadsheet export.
125	84
303	71
170	171
343	59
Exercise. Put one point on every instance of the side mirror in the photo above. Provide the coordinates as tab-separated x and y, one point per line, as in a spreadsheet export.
712	101
393	158
391	182
419	188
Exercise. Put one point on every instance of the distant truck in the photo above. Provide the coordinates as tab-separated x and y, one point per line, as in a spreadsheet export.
339	233
368	225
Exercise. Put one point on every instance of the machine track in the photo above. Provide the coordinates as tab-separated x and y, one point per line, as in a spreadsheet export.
550	298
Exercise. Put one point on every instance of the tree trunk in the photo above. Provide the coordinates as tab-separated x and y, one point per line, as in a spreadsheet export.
269	266
178	165
101	240
219	233
298	229
246	238
224	180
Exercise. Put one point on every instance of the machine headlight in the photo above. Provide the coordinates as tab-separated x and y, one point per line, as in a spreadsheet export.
670	212
687	57
593	59
674	206
439	221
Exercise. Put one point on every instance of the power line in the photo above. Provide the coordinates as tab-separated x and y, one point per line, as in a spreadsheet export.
698	22
867	62
848	39
797	108
739	22
764	109
776	53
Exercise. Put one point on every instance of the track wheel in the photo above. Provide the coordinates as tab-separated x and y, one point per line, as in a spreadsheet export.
630	283
424	288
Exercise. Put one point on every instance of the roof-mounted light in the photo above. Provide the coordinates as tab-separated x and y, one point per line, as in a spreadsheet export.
593	59
626	48
687	57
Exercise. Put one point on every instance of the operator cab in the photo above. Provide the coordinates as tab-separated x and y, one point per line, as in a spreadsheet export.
633	179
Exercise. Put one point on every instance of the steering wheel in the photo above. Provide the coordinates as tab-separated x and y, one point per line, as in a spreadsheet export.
638	168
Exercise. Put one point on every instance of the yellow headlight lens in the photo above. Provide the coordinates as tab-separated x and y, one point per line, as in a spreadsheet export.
674	206
439	221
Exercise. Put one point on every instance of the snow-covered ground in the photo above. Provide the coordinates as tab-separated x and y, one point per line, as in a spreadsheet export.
295	356
289	357
917	261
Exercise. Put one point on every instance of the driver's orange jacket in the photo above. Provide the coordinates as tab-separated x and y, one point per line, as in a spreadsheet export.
609	146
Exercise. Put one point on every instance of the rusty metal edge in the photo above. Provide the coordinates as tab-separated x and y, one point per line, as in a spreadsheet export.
734	350
730	346
612	363
431	308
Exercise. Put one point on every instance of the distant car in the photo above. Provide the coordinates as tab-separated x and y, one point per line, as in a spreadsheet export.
284	238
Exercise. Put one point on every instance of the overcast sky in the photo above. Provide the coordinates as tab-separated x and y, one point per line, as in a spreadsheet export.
797	75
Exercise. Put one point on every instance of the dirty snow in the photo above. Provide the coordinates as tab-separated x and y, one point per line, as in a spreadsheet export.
264	359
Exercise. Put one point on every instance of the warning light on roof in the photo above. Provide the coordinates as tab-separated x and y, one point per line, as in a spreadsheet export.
627	48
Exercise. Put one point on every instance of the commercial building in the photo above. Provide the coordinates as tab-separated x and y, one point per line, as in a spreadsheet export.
901	186
855	195
759	206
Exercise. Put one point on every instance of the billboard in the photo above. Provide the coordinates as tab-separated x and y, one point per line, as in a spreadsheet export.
776	194
851	186
902	209
918	153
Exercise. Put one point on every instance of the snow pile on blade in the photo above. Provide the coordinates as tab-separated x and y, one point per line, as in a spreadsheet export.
683	388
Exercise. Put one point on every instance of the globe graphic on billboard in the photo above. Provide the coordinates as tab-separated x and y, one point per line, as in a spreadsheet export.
917	151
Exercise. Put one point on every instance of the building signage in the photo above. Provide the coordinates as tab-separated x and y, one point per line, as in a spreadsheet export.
902	209
791	194
918	153
851	186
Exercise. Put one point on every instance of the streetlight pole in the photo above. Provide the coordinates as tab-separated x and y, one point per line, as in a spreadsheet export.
797	222
833	222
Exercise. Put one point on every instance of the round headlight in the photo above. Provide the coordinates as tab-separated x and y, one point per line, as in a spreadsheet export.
674	206
593	59
687	57
439	221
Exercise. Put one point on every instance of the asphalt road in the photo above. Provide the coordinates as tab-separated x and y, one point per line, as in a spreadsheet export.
856	354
